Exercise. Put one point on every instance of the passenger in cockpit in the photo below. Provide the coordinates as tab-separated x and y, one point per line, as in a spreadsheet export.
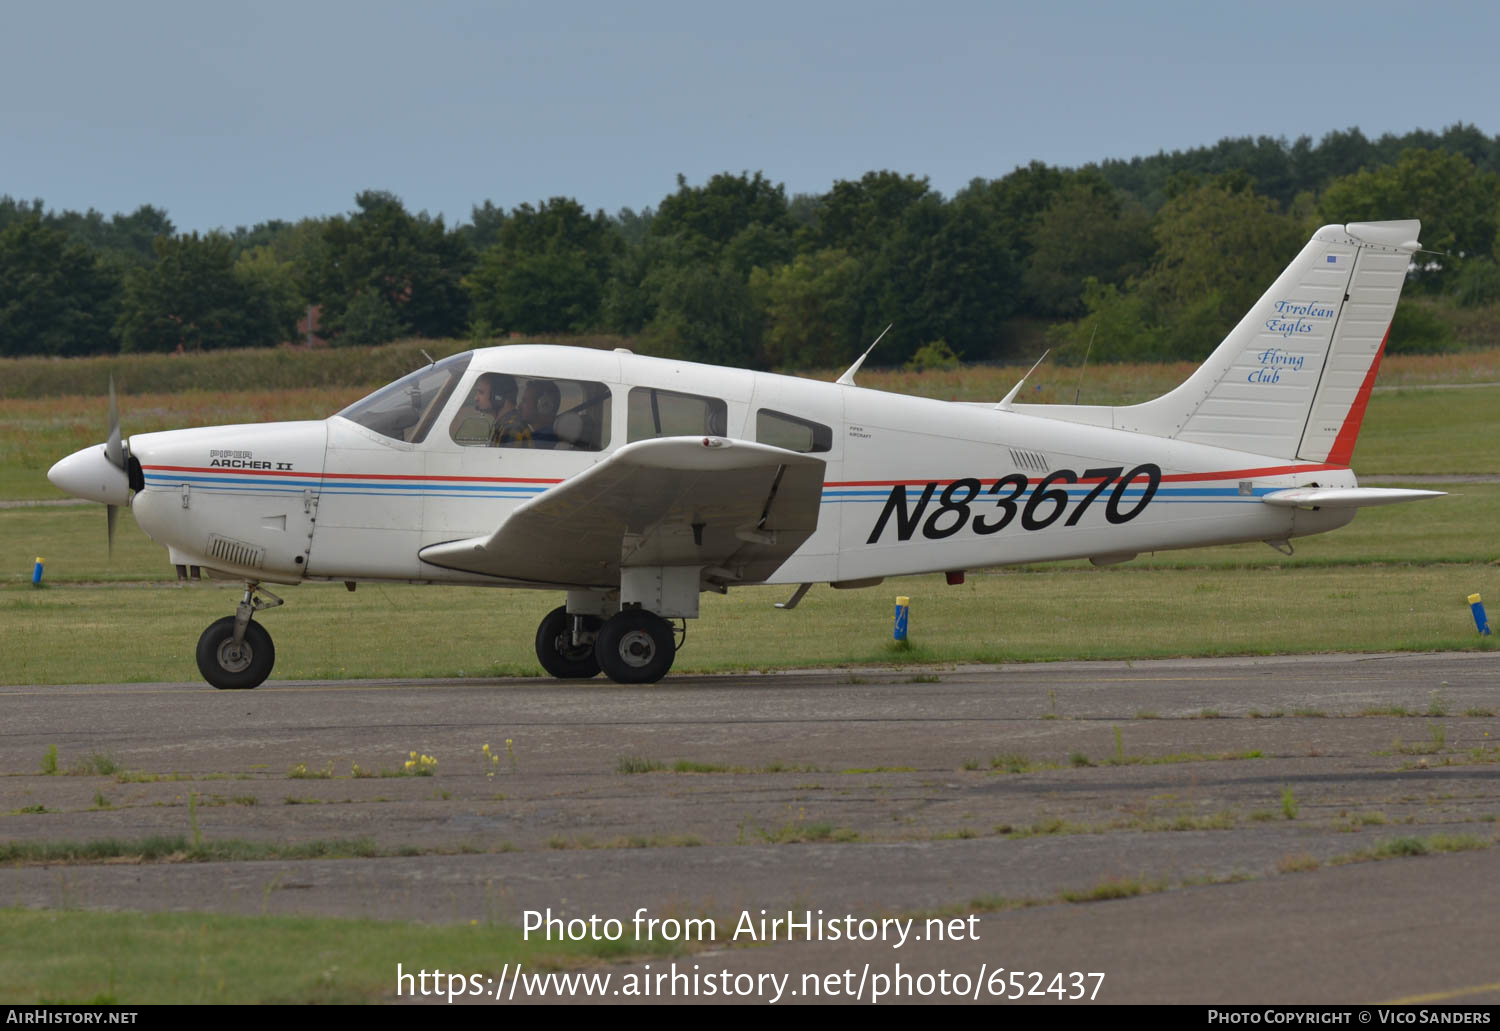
539	403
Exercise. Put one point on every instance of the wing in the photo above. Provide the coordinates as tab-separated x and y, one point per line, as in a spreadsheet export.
735	507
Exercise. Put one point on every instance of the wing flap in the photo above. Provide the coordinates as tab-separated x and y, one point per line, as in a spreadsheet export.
735	505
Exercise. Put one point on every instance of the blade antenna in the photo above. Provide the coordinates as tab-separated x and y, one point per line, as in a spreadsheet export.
1085	364
1004	404
847	379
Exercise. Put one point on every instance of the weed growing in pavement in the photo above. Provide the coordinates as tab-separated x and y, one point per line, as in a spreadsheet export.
420	765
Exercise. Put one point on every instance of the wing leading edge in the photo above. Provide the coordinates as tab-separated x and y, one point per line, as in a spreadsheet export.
736	508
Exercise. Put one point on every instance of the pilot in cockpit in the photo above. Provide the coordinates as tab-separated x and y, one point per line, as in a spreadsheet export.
495	399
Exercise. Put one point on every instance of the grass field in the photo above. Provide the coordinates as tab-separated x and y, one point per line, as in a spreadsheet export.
1415	423
1396	578
1011	616
204	959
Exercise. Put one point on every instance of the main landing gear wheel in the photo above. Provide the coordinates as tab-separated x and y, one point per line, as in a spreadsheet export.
233	667
556	651
636	647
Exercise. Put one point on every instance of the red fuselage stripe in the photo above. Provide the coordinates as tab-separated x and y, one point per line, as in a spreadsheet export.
1227	474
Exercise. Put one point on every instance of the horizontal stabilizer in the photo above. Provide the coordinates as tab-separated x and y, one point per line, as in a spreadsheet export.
1345	497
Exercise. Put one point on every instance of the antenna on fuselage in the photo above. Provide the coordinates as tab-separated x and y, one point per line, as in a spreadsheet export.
430	359
1079	389
1004	405
847	379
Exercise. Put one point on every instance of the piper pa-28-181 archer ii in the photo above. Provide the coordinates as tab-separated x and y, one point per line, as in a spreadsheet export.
634	484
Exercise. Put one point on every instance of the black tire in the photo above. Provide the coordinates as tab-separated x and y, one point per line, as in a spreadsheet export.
555	649
636	647
231	670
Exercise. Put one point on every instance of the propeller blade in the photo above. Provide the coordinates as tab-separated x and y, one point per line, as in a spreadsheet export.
112	448
116	455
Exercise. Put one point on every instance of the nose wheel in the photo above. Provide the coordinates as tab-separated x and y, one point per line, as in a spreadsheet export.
230	666
234	653
635	647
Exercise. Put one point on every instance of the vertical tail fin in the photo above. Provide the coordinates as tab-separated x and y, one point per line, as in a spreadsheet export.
1293	378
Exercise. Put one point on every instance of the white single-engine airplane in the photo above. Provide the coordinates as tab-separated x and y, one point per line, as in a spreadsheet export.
634	483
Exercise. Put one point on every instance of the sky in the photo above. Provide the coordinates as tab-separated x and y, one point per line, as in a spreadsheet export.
233	114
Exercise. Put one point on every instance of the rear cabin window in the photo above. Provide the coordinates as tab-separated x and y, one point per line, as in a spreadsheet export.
503	410
787	431
665	413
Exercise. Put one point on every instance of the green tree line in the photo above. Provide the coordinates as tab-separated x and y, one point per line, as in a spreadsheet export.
1150	258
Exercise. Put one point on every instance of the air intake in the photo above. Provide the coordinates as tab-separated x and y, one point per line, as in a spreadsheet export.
1029	460
236	553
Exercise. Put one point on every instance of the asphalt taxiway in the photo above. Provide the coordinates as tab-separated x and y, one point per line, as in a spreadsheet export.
1227	797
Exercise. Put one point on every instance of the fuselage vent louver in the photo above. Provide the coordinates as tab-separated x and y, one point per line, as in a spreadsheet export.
1028	460
236	553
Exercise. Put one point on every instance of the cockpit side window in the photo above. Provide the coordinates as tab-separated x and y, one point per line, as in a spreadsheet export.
511	411
665	413
406	409
788	431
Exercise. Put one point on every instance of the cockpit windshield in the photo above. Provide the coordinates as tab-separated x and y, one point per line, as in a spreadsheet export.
406	409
